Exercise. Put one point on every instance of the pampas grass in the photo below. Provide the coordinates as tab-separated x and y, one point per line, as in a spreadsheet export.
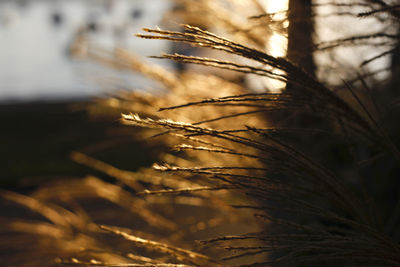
292	188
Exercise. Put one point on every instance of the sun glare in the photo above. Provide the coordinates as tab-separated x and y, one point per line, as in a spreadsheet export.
274	6
277	43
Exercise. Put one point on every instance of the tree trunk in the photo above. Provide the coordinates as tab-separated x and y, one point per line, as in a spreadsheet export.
395	70
300	35
300	52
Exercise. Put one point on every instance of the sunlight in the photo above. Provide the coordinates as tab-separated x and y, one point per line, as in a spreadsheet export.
273	6
277	43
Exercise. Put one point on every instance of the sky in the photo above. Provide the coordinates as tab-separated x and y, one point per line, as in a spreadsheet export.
35	36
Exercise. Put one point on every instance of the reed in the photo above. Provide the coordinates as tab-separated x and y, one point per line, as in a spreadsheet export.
262	178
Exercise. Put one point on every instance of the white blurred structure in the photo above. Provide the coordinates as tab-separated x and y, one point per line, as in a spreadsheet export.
35	35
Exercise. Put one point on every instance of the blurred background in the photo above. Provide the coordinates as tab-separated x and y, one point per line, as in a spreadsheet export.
44	88
45	83
36	62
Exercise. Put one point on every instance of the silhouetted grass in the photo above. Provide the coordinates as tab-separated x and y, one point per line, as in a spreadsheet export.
305	176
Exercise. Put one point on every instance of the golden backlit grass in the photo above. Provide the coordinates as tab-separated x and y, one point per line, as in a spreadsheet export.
261	178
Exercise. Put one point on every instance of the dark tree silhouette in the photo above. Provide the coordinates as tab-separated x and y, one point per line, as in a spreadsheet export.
300	40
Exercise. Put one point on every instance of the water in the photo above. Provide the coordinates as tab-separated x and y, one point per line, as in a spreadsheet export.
34	42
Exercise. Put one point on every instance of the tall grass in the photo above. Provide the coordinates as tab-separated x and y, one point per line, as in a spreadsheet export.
305	176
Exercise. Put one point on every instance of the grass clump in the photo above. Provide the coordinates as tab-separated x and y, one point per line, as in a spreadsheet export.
303	176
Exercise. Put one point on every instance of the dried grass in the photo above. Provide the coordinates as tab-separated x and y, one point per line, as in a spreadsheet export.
242	164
